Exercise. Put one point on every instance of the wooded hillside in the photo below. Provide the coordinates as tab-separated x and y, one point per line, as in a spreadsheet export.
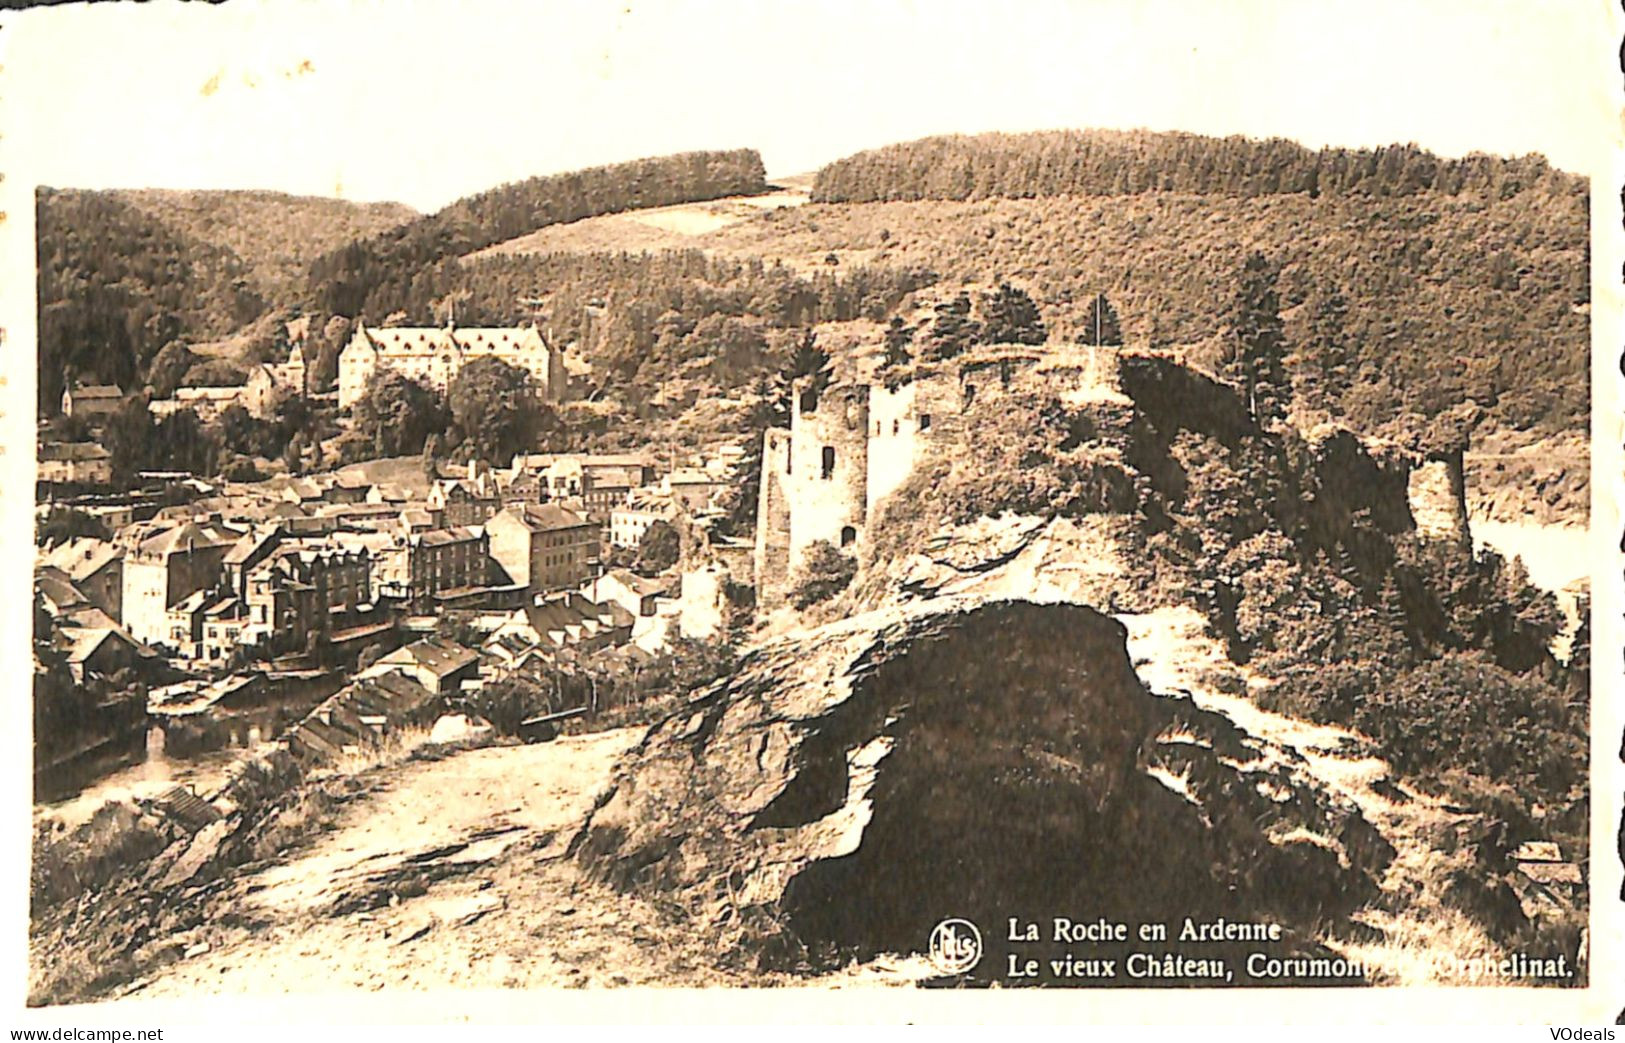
1103	162
1444	298
375	276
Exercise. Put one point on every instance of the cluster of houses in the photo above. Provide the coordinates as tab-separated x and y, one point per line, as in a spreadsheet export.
78	466
218	596
327	572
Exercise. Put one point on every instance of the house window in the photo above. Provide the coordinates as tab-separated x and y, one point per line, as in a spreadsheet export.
896	426
848	534
829	460
809	401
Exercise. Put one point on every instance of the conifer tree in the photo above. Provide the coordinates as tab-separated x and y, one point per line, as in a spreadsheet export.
1009	316
952	329
1100	325
1255	355
1328	370
899	338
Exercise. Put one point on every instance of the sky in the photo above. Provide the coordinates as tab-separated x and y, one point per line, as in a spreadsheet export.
425	102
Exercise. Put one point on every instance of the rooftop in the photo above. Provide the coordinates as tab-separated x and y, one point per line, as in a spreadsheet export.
545	517
439	656
96	391
81	558
72	451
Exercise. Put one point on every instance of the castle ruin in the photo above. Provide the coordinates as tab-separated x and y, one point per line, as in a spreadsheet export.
851	443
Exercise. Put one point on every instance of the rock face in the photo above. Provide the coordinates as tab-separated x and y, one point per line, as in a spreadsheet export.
853	785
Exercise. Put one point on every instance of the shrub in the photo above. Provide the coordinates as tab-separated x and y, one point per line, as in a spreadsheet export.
825	573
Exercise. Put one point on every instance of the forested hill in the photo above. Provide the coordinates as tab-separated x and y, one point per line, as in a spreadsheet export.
116	285
122	273
375	276
125	274
277	236
1109	163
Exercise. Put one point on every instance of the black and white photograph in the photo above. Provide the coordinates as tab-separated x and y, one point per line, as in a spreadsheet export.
857	500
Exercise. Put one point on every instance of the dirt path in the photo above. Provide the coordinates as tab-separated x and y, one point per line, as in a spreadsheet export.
448	875
1173	652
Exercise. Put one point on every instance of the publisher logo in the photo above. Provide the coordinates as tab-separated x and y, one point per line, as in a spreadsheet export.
956	946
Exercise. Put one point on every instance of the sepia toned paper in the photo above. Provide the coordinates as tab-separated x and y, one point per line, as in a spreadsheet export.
1100	512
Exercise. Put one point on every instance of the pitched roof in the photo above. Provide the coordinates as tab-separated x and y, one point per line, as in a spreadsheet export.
545	517
250	544
585	460
72	451
230	608
196	601
438	656
405	341
58	591
96	391
185	536
613	478
86	641
440	537
83	557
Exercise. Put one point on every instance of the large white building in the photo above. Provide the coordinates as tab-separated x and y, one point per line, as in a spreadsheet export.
434	356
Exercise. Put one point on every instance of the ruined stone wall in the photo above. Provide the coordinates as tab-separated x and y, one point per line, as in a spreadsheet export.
893	440
828	467
772	556
877	436
1438	498
902	423
704	602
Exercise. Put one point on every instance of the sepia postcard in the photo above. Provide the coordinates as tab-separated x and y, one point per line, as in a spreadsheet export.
1092	511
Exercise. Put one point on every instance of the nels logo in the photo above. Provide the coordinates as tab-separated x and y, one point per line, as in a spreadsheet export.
956	946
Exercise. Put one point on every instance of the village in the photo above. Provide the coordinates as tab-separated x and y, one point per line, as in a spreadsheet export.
218	614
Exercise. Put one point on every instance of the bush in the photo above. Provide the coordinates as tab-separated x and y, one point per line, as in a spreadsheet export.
509	702
242	469
1463	711
825	573
658	550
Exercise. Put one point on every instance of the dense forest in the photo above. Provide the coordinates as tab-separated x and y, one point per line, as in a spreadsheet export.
375	276
1115	163
277	236
115	286
1409	286
1430	300
124	275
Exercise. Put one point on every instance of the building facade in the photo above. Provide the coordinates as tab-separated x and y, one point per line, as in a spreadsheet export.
164	569
434	356
544	546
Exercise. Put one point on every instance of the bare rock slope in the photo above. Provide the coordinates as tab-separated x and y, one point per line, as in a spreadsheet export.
855	784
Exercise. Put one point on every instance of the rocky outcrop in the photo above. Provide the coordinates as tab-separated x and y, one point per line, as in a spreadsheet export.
853	785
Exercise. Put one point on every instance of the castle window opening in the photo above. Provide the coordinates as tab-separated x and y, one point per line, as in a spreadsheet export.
829	460
848	534
896	426
925	421
809	401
